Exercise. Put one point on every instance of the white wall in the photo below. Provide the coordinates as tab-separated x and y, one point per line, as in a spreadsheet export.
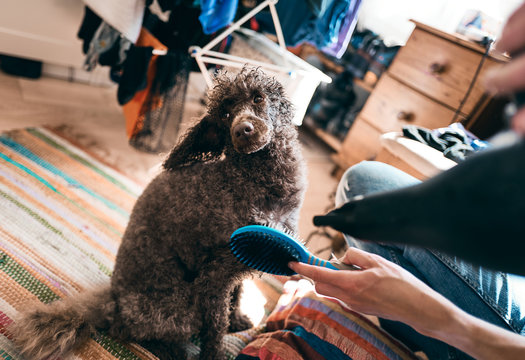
389	18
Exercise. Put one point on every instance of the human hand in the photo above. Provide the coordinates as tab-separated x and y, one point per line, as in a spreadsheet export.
382	288
510	78
385	289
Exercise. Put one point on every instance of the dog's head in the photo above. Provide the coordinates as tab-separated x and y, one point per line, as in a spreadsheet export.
245	113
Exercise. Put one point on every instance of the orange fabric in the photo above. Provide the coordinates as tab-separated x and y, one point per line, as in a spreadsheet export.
298	312
135	109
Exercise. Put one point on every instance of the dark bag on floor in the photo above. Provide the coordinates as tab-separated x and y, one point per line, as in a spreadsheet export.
21	67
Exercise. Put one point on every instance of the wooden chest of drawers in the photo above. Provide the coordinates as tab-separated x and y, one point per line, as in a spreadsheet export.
433	81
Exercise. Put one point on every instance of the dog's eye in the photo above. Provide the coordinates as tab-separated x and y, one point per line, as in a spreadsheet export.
257	99
227	115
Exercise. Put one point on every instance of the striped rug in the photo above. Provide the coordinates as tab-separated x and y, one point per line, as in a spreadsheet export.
62	214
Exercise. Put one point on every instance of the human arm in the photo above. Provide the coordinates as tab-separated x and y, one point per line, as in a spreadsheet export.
510	78
386	290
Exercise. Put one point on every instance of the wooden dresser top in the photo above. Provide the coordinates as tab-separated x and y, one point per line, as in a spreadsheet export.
460	40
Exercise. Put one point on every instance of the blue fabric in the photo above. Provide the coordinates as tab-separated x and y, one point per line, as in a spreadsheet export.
299	24
324	348
339	47
318	7
495	297
293	14
217	14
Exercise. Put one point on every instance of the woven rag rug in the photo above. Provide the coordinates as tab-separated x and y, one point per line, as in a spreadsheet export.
62	215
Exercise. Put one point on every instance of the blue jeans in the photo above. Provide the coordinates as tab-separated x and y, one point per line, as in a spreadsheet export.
495	297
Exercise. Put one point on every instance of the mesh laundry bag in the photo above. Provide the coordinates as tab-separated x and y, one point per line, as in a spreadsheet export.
161	113
154	113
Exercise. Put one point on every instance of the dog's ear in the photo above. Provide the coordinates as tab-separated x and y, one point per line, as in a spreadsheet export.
203	142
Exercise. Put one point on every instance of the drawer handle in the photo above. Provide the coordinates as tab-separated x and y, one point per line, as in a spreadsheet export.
405	115
437	68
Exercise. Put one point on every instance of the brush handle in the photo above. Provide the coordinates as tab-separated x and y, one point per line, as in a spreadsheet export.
342	266
334	264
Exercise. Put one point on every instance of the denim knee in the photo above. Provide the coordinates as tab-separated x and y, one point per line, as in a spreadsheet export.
368	177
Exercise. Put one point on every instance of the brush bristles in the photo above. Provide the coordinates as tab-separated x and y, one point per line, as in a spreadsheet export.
263	252
282	228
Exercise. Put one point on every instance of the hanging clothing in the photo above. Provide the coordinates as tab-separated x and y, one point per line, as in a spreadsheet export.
137	78
134	72
161	9
105	39
338	48
123	15
318	7
102	44
152	87
89	26
162	112
217	14
117	54
293	14
158	86
330	32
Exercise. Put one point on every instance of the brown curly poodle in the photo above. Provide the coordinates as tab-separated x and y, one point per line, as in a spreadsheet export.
175	276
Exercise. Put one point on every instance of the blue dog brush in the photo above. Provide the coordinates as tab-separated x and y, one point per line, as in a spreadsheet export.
270	250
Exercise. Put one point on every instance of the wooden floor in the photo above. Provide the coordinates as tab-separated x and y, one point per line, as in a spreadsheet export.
93	118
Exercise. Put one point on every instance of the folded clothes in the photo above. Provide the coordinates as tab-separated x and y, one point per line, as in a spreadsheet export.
454	141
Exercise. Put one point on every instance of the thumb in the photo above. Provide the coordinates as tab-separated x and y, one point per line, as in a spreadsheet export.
361	258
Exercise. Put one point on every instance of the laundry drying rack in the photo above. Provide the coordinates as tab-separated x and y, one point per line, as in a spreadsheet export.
299	78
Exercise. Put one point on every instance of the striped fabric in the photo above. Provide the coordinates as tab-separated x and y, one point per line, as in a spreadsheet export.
62	214
305	326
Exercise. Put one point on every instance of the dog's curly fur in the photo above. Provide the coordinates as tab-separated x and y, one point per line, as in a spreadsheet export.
174	275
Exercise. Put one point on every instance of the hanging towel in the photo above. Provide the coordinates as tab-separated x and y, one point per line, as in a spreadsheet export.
124	15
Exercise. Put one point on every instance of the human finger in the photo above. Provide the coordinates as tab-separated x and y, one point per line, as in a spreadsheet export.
511	39
334	291
316	273
507	78
361	258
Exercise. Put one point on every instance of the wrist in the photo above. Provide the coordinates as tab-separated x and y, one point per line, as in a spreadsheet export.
475	337
457	328
448	321
445	321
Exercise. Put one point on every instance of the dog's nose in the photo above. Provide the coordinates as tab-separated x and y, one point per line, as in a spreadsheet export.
243	129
